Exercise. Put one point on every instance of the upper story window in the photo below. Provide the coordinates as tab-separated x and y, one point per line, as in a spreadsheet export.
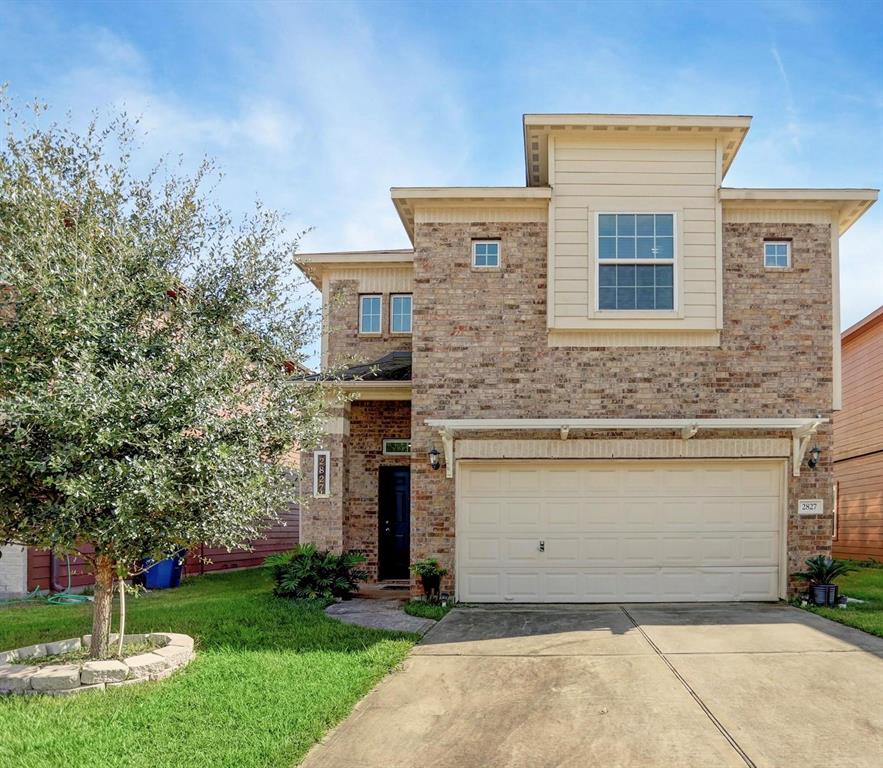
400	313
636	261
369	313
776	254
486	254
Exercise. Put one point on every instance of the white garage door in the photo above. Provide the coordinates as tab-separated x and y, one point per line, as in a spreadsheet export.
642	531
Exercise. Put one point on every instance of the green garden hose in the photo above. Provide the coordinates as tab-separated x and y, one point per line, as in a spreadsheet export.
66	597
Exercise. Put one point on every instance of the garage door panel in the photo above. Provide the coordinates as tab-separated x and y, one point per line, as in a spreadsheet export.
481	550
756	513
522	586
482	514
599	514
561	551
757	584
563	513
640	482
521	550
759	549
680	514
619	531
520	515
601	549
601	482
522	481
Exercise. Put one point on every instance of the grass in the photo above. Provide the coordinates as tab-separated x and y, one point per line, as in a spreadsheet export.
427	610
269	679
75	657
865	583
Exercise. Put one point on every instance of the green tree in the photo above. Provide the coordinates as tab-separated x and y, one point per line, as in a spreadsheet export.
147	345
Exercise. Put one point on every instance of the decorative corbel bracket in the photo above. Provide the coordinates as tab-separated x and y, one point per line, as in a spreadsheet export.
688	432
565	430
447	438
799	443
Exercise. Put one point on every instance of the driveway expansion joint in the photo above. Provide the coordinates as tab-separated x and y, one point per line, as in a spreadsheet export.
702	705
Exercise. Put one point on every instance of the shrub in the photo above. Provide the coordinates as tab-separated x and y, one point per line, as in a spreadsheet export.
306	573
824	570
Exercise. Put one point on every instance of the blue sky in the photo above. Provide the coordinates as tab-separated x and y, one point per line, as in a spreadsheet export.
319	108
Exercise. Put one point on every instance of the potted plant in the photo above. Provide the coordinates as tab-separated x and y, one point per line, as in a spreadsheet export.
430	573
821	573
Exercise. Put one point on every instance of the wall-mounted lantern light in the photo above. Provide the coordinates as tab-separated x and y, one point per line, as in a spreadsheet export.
813	460
434	458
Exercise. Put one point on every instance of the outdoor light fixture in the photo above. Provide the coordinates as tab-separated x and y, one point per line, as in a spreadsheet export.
434	458
813	460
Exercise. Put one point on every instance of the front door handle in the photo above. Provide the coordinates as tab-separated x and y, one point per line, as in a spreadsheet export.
542	546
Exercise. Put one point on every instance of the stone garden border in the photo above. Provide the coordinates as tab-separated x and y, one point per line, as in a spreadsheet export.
172	652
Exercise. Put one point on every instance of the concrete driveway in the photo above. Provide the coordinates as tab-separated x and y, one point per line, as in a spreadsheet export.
686	686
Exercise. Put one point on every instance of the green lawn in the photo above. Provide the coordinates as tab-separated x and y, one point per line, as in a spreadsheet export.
270	678
427	610
866	583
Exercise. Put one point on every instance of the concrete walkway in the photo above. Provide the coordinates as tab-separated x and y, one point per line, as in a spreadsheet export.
378	614
642	686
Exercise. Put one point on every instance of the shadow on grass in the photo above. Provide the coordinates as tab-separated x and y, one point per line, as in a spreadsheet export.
235	610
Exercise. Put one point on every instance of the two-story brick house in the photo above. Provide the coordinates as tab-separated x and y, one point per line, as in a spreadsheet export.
613	383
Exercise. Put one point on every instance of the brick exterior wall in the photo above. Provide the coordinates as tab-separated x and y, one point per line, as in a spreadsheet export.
371	422
321	520
345	344
486	356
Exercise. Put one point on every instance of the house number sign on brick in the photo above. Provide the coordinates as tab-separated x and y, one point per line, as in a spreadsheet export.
810	507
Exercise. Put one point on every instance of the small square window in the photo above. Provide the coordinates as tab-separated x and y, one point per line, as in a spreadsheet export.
776	254
400	313
400	447
369	314
486	254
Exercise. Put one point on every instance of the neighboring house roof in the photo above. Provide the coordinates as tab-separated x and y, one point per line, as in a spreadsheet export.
865	324
393	366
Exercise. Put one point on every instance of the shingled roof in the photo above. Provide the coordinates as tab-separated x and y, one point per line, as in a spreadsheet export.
393	366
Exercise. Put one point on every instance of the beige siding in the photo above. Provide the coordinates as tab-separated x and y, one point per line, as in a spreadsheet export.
610	174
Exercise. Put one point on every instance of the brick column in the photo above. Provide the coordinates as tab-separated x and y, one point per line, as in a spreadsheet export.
322	517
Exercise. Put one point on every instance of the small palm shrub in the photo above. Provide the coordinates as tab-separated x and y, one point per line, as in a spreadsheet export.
822	569
306	573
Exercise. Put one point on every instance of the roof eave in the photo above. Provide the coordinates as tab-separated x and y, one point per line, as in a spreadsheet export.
850	204
865	324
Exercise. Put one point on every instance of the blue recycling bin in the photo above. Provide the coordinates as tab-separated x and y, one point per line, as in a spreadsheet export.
164	574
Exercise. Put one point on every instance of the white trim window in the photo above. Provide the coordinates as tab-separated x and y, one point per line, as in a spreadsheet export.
397	446
636	262
321	474
486	254
776	254
370	310
400	313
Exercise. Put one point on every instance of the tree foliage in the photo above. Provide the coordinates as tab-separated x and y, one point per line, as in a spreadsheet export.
147	343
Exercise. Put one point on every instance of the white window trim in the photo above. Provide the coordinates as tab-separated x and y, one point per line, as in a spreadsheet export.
316	455
787	244
499	244
392	298
362	297
396	440
836	511
675	278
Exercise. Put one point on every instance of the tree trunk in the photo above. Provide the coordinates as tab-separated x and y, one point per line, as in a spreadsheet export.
101	607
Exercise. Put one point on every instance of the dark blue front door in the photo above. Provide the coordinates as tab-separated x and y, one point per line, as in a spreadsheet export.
394	516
